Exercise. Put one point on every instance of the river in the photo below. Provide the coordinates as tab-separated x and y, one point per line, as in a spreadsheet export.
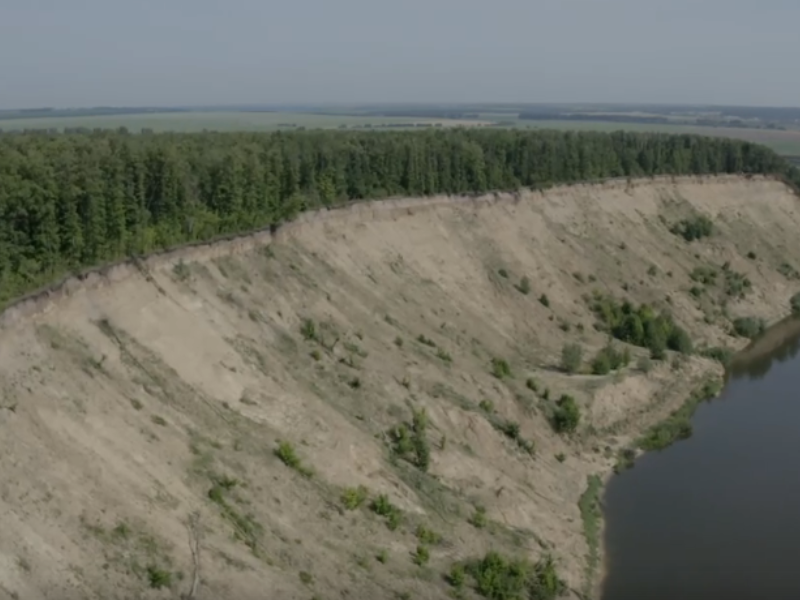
717	516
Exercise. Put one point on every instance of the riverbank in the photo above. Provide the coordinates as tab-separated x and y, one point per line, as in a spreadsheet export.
332	335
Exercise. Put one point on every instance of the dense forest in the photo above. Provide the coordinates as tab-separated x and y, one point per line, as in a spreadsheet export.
70	201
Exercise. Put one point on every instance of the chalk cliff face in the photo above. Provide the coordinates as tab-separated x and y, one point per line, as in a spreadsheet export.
142	407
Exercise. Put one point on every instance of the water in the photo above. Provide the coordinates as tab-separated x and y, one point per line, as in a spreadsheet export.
717	516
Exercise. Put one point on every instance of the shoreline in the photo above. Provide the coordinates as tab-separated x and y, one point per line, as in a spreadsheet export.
775	334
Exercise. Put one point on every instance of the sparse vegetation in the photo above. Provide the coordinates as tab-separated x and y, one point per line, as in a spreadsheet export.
589	505
500	368
693	229
641	326
497	577
308	330
353	498
678	425
426	341
571	357
479	519
286	452
411	443
383	507
427	536
566	415
795	304
158	578
524	286
421	555
722	355
610	359
749	327
544	300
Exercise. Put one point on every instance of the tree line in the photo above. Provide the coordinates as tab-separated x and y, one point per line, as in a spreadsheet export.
71	201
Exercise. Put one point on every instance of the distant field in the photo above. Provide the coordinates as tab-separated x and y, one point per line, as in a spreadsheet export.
223	121
783	142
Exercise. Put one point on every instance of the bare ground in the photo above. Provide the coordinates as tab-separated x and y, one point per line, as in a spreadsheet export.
141	406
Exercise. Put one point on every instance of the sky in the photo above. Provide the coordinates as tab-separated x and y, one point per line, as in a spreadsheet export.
74	53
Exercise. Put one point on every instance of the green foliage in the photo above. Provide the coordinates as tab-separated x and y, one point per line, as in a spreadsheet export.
501	578
795	304
532	384
457	576
77	200
427	341
158	578
722	355
308	329
421	555
286	452
589	505
353	498
571	357
641	326
479	520
500	368
678	425
427	536
749	327
566	415
411	443
486	406
383	507
306	577
695	228
503	273
610	359
442	354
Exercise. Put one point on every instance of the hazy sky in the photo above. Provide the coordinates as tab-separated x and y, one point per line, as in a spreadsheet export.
160	52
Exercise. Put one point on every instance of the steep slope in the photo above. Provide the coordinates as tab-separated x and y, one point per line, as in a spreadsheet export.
142	407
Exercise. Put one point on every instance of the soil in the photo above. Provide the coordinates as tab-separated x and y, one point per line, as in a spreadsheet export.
142	404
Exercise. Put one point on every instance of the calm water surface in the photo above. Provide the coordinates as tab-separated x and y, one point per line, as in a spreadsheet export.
717	516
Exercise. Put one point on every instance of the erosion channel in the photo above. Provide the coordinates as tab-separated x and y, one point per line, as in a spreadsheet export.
715	516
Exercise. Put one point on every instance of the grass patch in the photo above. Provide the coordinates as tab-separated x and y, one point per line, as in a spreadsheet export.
500	368
288	456
383	507
589	505
353	498
678	425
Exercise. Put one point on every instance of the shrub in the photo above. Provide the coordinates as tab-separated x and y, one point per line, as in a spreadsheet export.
722	355
503	273
524	286
693	229
427	341
478	518
532	384
352	498
749	327
571	357
421	556
544	300
286	453
610	359
641	326
413	441
567	415
500	578
158	578
457	576
795	304
308	330
383	507
427	536
500	368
